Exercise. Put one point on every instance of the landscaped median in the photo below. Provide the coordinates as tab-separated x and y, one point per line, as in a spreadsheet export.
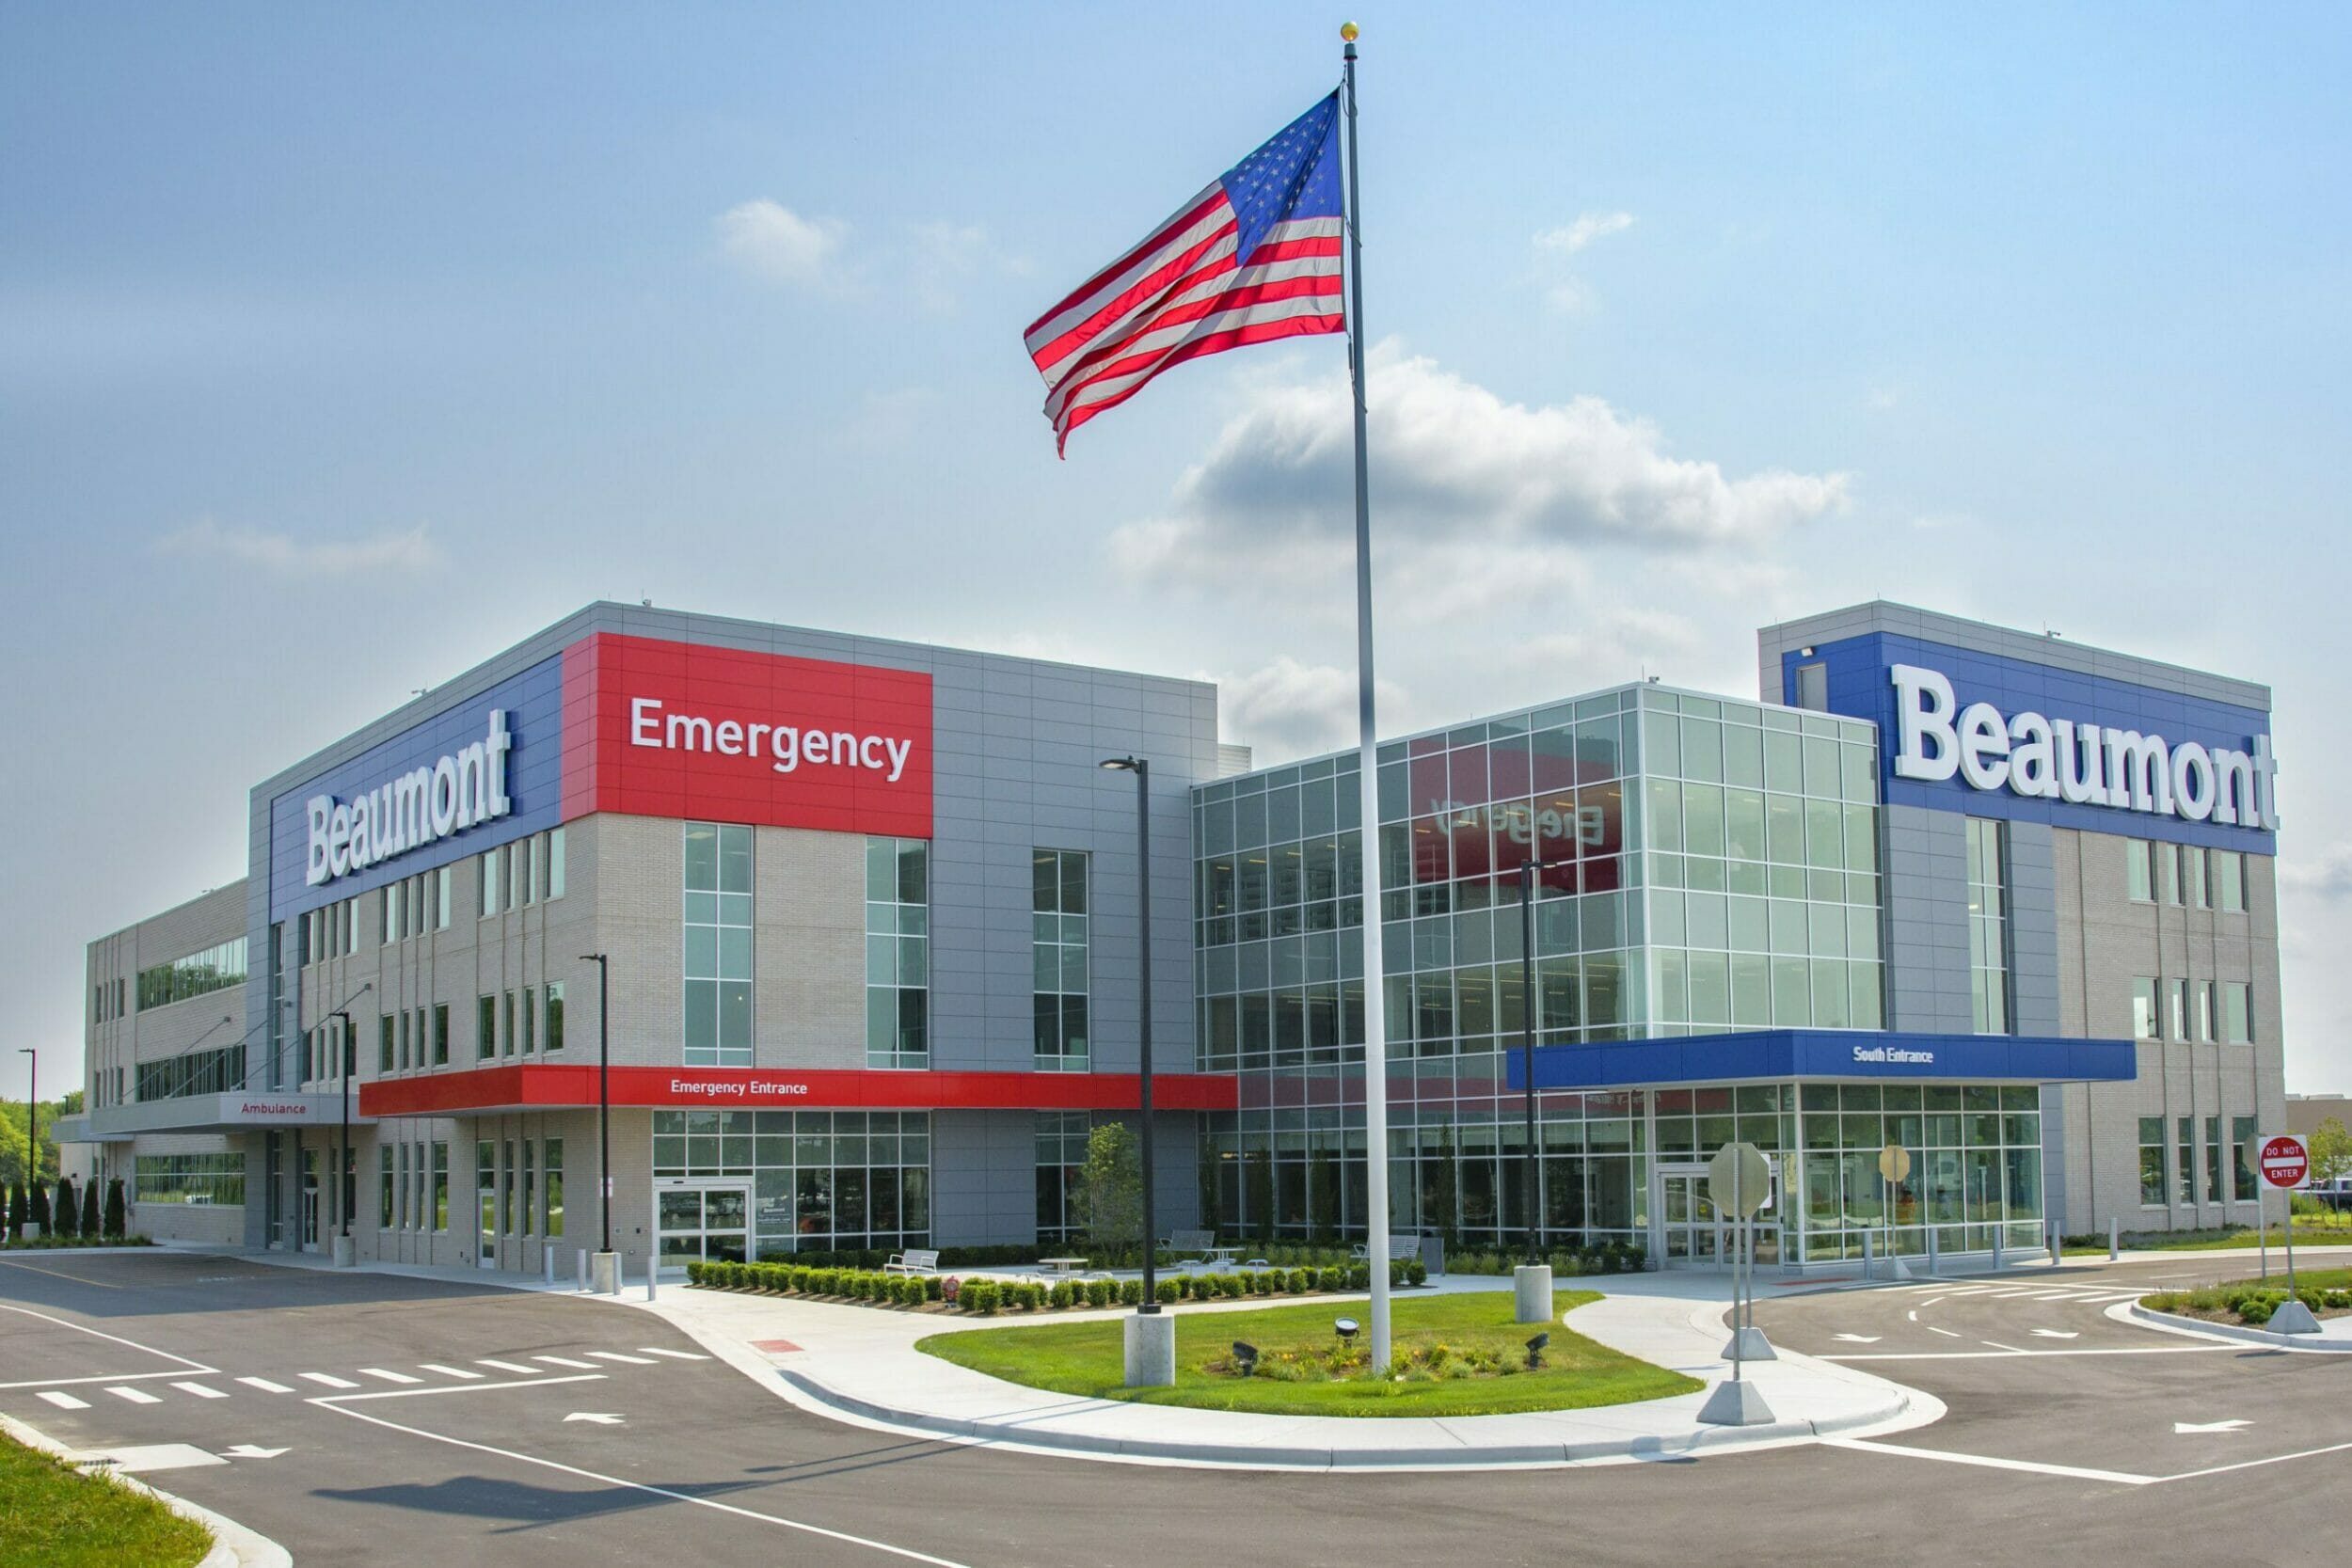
54	1517
2250	1302
1457	1354
985	1296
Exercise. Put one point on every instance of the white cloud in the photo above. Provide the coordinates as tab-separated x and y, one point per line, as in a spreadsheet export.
1288	709
1476	502
1570	238
2326	876
947	254
409	550
1615	644
770	241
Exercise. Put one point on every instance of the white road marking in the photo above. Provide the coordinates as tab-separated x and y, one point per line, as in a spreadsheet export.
1859	1338
136	1396
199	1390
506	1366
115	1339
566	1361
2181	1427
265	1386
2055	1334
1989	1462
1948	1334
248	1450
673	1354
341	1400
616	1355
1930	1301
388	1376
716	1507
2253	1464
1912	1314
2014	1350
1990	1355
447	1371
64	1402
329	1379
600	1417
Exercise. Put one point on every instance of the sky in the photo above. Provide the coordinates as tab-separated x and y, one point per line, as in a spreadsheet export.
343	347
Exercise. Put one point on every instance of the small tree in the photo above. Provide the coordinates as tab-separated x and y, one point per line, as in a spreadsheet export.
16	1210
114	1209
1110	1190
2331	1152
37	1209
66	1208
89	1206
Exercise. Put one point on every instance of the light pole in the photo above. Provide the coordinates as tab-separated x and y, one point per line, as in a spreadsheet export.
608	1274
1534	1287
32	1116
1152	1341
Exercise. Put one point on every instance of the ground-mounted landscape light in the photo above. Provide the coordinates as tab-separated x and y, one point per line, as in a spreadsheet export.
1347	1328
1246	1357
1535	1349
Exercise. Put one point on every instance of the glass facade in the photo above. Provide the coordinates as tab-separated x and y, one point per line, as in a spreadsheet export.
718	927
1704	866
1057	952
898	952
1988	925
819	1179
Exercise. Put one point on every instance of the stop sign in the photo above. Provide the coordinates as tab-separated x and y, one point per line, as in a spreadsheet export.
2286	1161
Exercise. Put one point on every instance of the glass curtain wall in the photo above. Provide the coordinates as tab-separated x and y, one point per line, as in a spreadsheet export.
821	1179
1976	1164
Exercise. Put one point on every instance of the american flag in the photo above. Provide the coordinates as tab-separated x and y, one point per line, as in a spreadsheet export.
1254	257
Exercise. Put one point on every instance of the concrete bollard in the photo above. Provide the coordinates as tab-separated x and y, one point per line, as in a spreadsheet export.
2115	1237
653	1267
583	1271
1869	1255
1930	1250
2058	1244
2000	1234
547	1257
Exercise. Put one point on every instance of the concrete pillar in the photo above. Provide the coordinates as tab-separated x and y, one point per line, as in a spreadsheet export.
1151	1347
1531	1285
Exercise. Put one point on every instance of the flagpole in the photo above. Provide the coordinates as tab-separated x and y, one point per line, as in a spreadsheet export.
1368	771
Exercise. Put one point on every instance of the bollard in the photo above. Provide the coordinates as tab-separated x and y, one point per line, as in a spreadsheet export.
1930	1250
583	1271
1869	1263
2000	1234
548	1258
2115	1237
2058	1244
653	1267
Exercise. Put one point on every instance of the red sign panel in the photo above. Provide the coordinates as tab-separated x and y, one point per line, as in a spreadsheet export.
2286	1163
549	1084
671	729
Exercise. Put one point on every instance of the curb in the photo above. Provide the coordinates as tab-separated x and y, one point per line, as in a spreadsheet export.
1322	1457
235	1545
2175	1324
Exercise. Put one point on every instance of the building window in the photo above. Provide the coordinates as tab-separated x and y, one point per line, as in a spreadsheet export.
2213	1159
2151	1161
387	1187
2185	1171
718	927
2237	1012
2181	1021
898	953
822	1179
507	1046
553	1186
2168	871
531	1020
555	1020
2228	881
403	1205
2140	869
1059	957
440	1186
1988	925
486	1037
441	1034
216	1179
491	865
2193	885
199	974
442	881
2204	991
1062	1157
2144	1022
555	863
384	1044
525	863
528	1175
394	907
2242	1134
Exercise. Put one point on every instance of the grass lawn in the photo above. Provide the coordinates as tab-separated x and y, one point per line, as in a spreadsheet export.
53	1516
1087	1358
2237	1238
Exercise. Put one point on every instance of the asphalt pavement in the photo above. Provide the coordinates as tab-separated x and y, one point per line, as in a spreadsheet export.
367	1418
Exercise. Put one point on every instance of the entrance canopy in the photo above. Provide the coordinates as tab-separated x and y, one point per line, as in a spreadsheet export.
1834	1054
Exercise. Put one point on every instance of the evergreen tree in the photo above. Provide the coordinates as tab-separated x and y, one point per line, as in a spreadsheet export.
16	1211
66	1208
37	1211
114	1209
89	1206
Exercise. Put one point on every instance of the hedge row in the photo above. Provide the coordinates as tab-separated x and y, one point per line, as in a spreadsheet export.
988	1296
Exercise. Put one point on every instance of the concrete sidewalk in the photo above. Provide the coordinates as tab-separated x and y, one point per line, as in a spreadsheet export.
859	1363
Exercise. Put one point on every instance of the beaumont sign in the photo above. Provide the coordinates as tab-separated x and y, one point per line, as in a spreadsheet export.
2082	763
460	790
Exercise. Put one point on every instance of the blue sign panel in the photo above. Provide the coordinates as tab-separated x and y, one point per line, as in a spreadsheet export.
2214	763
533	778
1827	1054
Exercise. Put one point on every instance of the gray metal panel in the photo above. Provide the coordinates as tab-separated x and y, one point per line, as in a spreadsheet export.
1926	910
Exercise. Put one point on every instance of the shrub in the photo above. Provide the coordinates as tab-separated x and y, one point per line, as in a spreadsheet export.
90	1209
695	1270
1232	1286
935	1288
1060	1295
1415	1272
1098	1292
1131	1293
116	1215
1331	1277
982	1296
1297	1282
1166	1290
68	1209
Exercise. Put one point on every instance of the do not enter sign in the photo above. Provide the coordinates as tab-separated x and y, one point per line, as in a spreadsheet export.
2286	1161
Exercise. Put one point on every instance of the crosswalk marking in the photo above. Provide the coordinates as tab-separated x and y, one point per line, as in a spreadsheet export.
389	1377
566	1361
136	1396
673	1354
447	1371
265	1386
64	1402
329	1379
506	1366
199	1390
616	1355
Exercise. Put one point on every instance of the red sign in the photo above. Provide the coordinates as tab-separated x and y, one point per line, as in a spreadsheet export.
672	729
2286	1163
544	1085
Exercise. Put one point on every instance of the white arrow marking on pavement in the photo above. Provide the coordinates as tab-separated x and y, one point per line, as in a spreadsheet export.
2055	1334
1857	1338
247	1450
599	1417
2180	1427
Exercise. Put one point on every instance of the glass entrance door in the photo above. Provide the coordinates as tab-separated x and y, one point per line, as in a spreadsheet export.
703	1220
1694	1229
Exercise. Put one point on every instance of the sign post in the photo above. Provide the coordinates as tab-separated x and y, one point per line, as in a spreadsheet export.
2285	1164
1739	1183
1894	1166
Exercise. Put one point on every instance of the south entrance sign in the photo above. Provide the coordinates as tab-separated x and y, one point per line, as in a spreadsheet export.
2286	1161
